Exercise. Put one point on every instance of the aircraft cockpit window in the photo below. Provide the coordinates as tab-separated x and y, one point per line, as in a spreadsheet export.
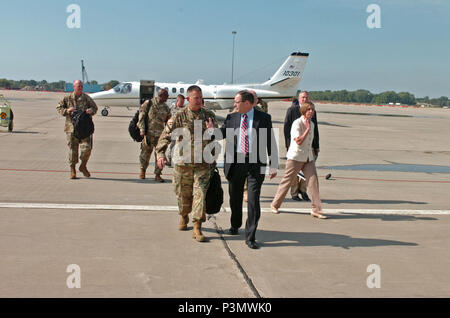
123	88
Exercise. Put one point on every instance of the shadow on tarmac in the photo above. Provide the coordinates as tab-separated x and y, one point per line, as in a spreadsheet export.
134	180
382	217
280	239
333	125
121	116
355	201
360	201
23	132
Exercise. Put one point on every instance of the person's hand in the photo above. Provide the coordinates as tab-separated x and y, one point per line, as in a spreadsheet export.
273	173
89	111
209	123
308	125
162	162
298	140
71	110
170	122
142	133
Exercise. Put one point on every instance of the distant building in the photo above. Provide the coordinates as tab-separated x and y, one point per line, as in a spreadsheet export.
28	88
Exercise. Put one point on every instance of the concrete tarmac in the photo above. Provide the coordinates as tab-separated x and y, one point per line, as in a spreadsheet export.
122	231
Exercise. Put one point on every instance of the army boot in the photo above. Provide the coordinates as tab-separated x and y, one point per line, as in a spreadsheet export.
142	174
73	172
84	169
197	233
184	220
158	178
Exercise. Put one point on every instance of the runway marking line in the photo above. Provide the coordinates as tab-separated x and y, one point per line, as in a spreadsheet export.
278	177
174	208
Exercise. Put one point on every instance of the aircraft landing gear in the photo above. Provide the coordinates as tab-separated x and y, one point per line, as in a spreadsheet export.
105	111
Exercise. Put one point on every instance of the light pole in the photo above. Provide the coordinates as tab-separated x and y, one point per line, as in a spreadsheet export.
82	70
232	57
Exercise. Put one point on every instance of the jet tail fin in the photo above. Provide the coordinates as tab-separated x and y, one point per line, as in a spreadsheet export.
290	73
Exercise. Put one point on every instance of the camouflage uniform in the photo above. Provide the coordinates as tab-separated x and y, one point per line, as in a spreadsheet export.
173	110
262	106
82	102
191	180
158	115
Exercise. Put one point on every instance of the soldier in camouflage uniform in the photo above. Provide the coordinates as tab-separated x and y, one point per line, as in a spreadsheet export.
158	114
262	105
70	103
178	105
191	176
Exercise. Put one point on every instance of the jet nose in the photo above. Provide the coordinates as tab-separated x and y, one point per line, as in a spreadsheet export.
97	95
100	98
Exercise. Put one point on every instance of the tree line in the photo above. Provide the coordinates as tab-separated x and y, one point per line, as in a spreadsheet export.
366	97
342	96
44	85
39	85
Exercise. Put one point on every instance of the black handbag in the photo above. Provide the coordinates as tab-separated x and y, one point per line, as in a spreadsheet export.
83	126
214	195
134	130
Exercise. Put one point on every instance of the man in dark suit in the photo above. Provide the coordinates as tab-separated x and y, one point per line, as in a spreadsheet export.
249	142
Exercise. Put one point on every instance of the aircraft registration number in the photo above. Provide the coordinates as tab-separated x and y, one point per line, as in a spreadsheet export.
292	73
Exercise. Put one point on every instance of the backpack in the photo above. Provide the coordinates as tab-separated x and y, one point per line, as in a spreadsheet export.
214	195
134	130
83	126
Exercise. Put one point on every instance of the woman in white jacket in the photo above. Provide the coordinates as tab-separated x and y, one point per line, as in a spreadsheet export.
300	157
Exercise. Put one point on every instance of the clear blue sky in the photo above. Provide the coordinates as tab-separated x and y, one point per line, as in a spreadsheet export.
181	40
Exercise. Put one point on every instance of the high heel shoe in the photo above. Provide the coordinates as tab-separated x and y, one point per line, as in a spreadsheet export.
318	215
274	210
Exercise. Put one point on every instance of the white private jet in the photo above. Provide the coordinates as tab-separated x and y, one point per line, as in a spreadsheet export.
282	85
